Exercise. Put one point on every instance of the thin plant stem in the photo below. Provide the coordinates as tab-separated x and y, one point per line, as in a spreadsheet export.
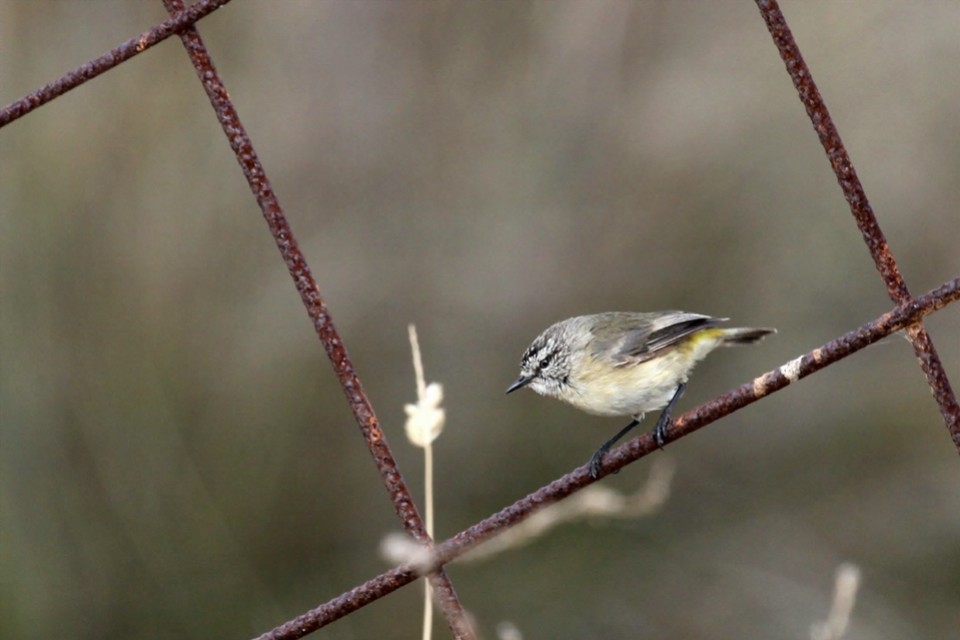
427	480
428	507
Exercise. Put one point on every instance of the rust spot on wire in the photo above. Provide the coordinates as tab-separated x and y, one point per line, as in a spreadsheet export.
862	211
121	53
317	309
847	344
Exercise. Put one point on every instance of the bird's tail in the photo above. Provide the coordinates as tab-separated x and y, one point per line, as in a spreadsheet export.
744	335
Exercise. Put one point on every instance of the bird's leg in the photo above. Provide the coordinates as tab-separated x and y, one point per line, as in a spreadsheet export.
597	458
660	430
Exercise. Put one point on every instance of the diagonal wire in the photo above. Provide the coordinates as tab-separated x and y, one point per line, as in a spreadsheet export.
322	322
176	23
862	211
895	320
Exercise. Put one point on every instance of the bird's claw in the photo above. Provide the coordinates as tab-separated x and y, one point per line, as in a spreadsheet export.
660	434
596	462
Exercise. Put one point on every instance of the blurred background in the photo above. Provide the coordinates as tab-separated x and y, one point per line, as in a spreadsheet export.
177	457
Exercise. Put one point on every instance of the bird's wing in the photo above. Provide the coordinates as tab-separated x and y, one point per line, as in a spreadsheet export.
649	338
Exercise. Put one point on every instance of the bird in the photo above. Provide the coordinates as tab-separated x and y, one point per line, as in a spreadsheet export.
624	363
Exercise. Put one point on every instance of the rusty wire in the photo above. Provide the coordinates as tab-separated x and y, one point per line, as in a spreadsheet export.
897	319
322	322
862	211
906	316
176	23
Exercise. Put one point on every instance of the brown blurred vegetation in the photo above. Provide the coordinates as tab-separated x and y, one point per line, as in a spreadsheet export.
177	459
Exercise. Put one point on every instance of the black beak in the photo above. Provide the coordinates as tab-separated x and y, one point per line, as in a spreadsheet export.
522	381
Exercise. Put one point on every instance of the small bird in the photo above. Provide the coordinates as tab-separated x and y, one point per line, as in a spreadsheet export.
622	363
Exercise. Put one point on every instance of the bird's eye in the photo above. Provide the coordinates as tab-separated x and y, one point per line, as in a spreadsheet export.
545	360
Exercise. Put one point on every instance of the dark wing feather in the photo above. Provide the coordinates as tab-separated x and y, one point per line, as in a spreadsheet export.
642	344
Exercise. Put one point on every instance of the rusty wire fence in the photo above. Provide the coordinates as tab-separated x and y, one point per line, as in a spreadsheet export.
907	315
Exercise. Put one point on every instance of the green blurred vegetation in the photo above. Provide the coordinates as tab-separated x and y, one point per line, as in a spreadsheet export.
177	459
